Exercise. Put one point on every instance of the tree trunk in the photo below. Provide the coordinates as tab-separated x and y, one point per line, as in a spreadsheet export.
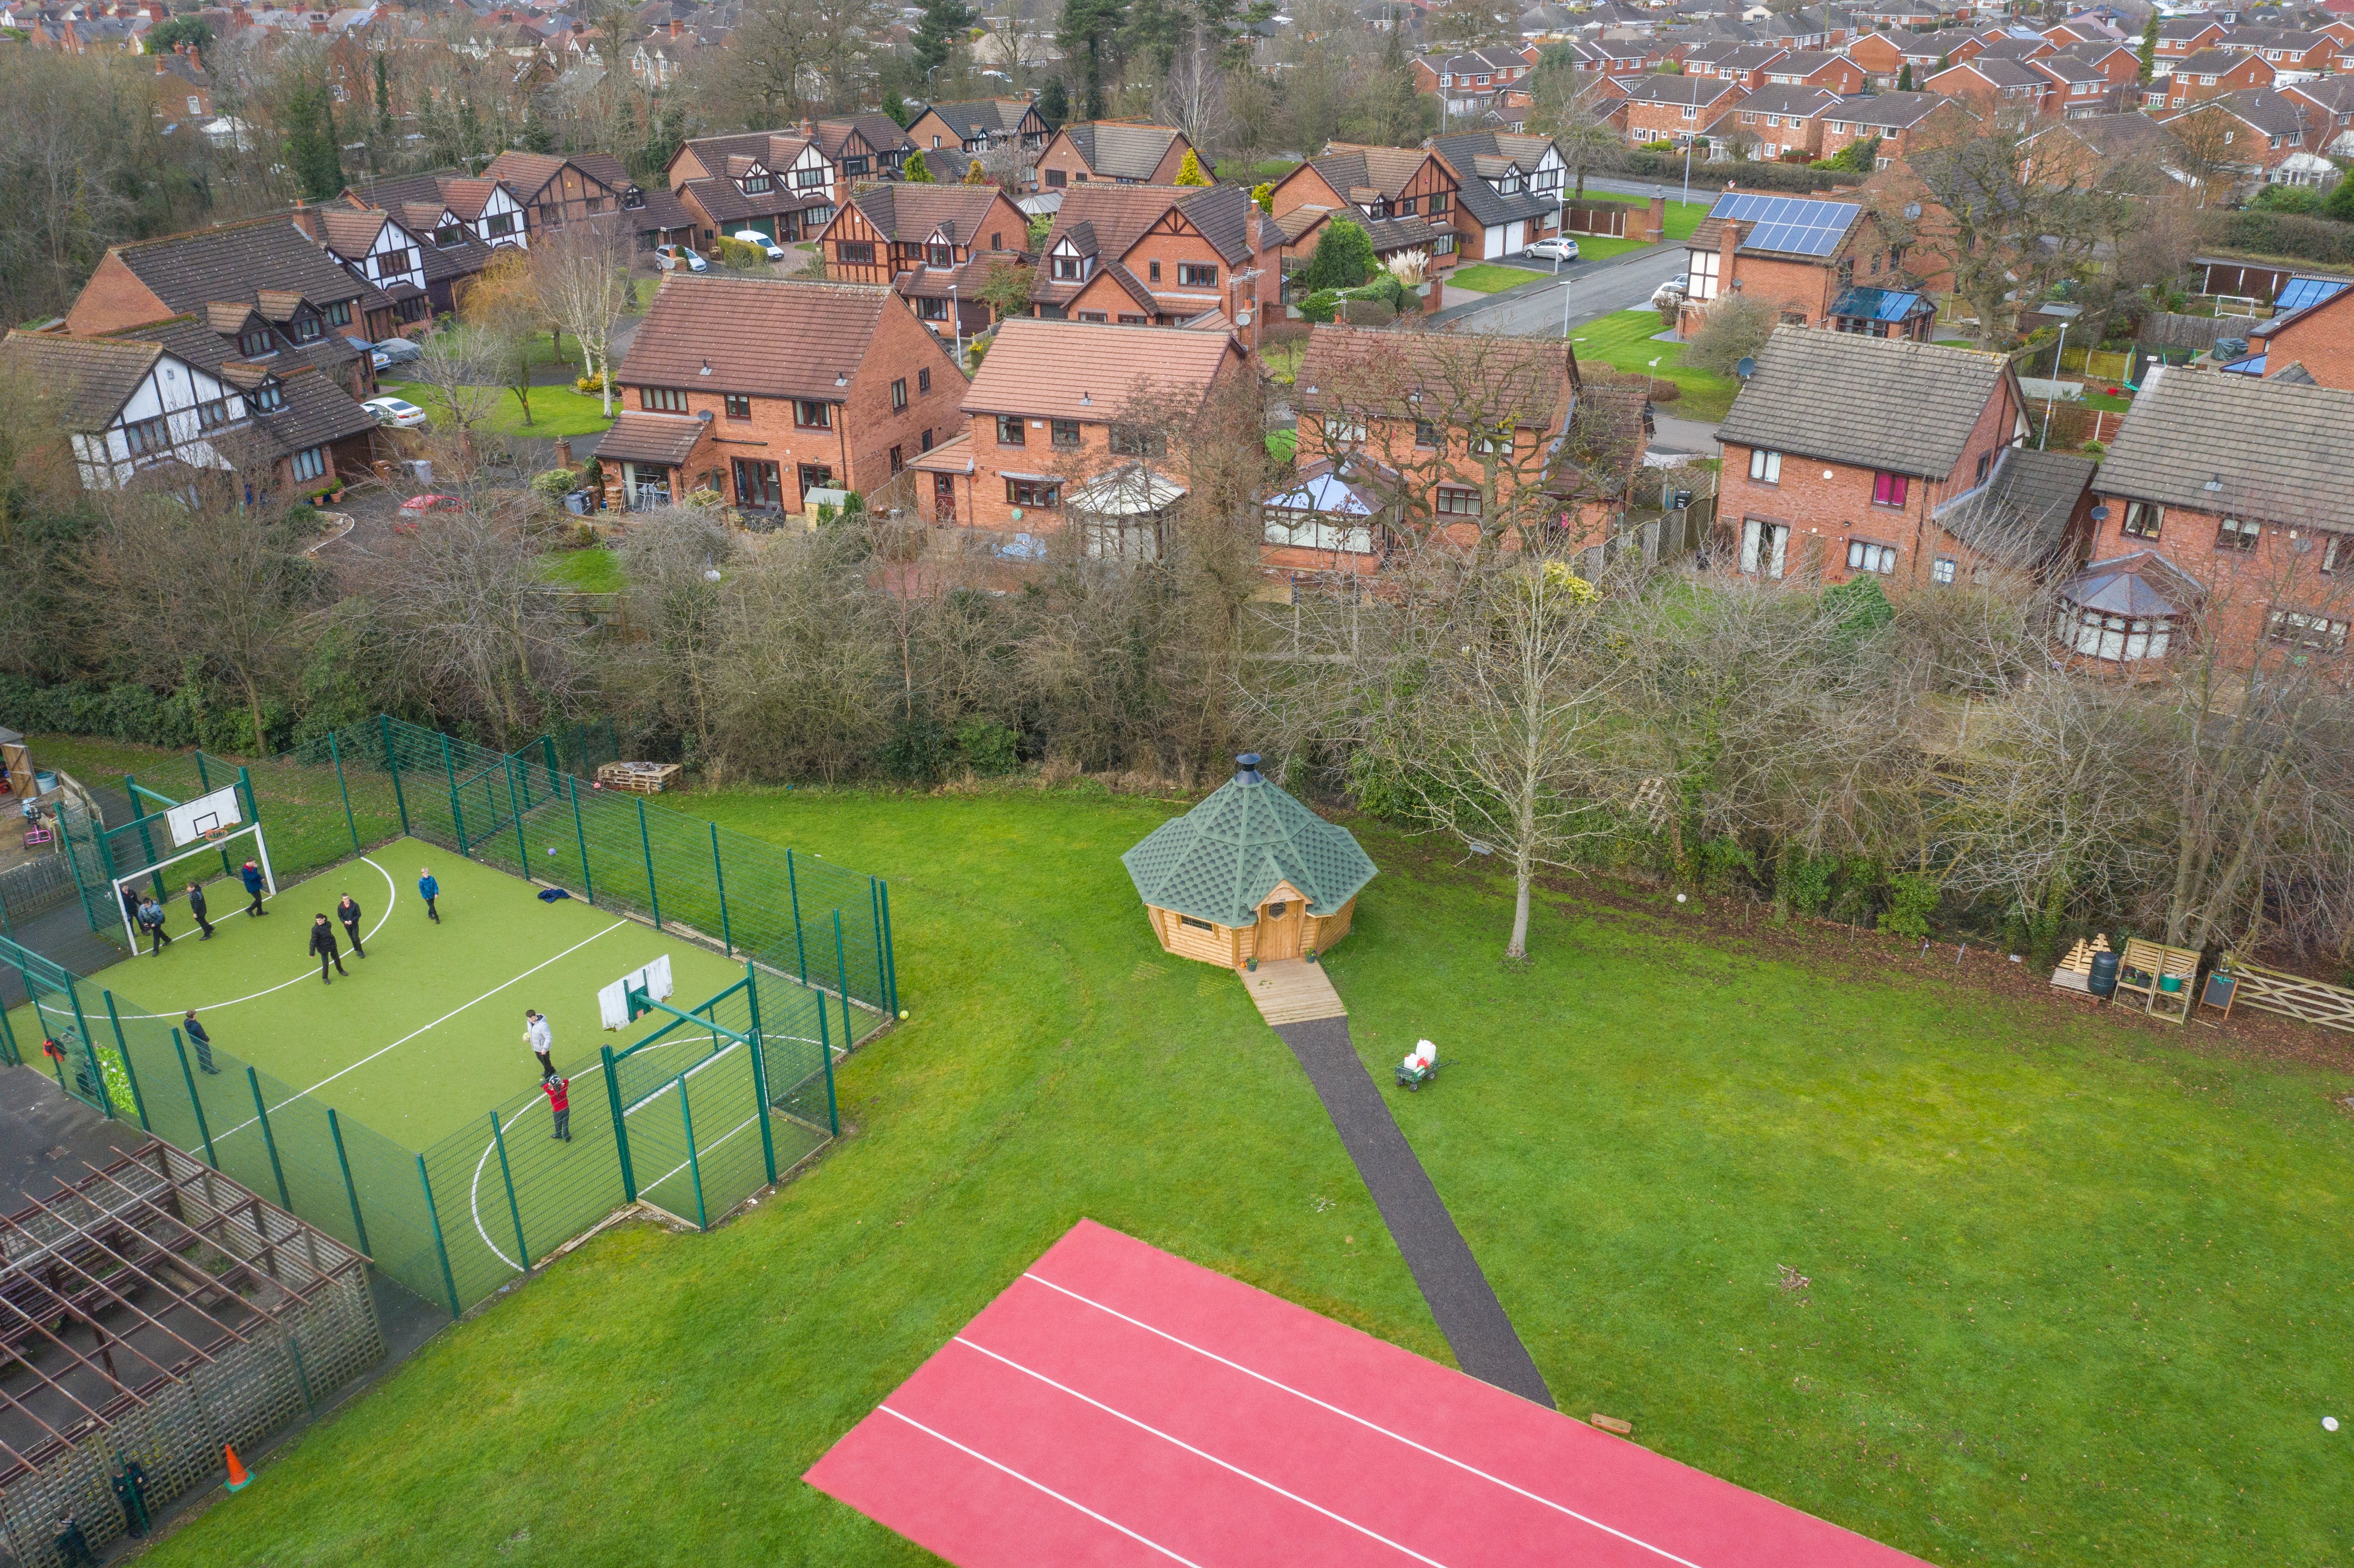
1524	873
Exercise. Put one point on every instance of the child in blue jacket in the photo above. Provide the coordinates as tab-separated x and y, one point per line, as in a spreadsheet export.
428	890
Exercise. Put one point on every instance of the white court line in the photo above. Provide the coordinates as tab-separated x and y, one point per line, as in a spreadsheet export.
1080	1506
437	1023
1365	1531
1370	1425
392	898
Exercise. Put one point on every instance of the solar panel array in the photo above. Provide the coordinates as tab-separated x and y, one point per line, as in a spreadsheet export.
2303	292
1787	224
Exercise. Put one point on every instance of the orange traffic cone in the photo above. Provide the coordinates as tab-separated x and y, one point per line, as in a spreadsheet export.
238	1477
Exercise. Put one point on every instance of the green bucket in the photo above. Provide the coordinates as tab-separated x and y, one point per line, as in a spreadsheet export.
2169	982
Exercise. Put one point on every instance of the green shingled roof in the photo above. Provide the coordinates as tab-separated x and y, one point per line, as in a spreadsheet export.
1219	860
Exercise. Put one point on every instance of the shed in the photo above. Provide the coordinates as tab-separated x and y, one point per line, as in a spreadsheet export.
1250	873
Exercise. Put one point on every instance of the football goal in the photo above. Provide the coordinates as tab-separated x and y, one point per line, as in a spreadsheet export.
207	825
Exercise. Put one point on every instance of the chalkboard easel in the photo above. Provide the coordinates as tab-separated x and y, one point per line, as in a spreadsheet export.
2221	989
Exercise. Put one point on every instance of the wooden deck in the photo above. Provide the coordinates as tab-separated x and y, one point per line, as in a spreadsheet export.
1292	991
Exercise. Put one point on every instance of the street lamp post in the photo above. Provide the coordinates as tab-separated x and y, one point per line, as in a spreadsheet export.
1688	169
2066	313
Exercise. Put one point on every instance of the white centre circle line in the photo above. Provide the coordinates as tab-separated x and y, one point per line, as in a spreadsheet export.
392	896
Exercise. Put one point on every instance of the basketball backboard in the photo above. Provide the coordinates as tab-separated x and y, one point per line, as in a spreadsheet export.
202	817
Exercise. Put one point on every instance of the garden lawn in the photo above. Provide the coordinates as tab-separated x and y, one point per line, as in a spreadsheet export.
554	410
593	570
1683	216
1490	280
1991	1280
1624	341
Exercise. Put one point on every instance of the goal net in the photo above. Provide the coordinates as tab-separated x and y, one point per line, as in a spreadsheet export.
154	880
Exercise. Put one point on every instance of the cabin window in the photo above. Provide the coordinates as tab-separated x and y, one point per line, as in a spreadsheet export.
1275	910
1196	925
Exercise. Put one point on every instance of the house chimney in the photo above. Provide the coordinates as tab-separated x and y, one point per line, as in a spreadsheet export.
1247	768
159	66
676	28
1728	242
319	25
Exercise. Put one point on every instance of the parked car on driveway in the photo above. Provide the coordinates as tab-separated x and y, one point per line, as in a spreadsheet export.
1553	250
1672	292
397	412
418	505
395	351
766	247
671	257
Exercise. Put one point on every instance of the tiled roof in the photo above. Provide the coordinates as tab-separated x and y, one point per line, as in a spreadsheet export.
2019	516
1871	402
350	233
1121	151
188	271
318	411
2210	62
2118	135
651	438
1670	89
1802	101
89	379
1384	169
1477	196
1390	234
524	172
2005	73
1891	110
879	132
2277	449
2270	112
1360	370
908	214
1083	370
773	337
972	117
1805	62
1219	860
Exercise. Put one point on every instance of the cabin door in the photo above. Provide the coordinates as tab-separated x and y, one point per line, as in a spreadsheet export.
1279	925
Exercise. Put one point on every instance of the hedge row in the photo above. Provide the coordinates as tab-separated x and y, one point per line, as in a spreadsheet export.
2280	234
131	712
1709	179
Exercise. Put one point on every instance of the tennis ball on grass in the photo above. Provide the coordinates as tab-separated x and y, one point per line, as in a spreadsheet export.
902	1014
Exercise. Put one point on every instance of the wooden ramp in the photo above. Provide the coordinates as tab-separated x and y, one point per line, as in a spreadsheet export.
1292	991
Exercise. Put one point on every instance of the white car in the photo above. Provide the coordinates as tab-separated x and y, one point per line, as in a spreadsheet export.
670	257
1553	250
393	351
768	247
395	411
1672	292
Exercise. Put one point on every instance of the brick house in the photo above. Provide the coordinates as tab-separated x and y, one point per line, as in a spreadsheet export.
2250	132
1149	255
1114	151
974	126
1897	482
1774	122
2292	52
2331	100
454	211
778	182
2117	62
1882	57
764	388
2316	338
1903	122
1404	198
2210	73
1674	108
184	88
378	248
1832	72
160	406
555	191
1993	86
1508	190
2080	89
1609	59
2179	38
1046	415
863	146
1746	67
1472	72
2229	505
1802	255
936	243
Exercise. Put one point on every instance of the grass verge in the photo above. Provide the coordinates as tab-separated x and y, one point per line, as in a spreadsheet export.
554	410
1625	342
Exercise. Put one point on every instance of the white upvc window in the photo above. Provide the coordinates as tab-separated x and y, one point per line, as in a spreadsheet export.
1765	467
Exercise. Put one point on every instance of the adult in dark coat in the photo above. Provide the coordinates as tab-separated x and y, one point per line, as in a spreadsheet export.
322	942
196	909
349	914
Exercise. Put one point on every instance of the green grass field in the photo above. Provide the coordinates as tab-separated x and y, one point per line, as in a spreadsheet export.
554	410
1491	280
594	571
1625	341
1987	1278
425	1034
1683	216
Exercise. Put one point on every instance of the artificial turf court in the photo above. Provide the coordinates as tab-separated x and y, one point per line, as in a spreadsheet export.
425	1034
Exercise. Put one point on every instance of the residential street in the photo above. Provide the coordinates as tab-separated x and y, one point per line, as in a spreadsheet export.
1595	289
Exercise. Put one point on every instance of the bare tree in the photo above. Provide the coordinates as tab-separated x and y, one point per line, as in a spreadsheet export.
582	274
674	566
1192	95
465	379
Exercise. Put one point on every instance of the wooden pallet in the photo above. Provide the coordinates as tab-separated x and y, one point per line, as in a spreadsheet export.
645	777
1292	991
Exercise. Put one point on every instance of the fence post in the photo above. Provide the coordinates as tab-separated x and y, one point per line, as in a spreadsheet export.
335	752
392	765
647	844
123	1049
800	947
890	948
875	918
581	837
253	1081
841	978
89	1049
204	777
825	1056
510	766
8	1035
252	807
515	1210
457	811
204	1130
620	1128
720	880
760	1071
548	757
351	1187
694	1164
439	1245
139	819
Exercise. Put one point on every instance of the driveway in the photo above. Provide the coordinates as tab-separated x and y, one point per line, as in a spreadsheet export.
1588	289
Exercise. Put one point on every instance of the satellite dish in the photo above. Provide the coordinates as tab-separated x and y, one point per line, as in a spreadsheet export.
1744	368
1242	318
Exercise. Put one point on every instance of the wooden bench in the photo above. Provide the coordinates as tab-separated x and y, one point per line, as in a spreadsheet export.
2153	961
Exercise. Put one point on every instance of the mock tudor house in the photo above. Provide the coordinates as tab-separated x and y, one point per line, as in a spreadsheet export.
935	244
378	248
2227	506
1114	151
975	126
1508	190
778	182
555	191
1065	427
1404	198
452	209
763	389
1151	256
1896	484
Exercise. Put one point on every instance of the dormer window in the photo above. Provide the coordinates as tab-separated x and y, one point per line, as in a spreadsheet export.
633	199
939	256
754	184
449	234
306	329
266	399
804	178
1070	267
256	343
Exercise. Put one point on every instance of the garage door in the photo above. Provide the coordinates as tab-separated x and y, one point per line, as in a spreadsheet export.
1516	239
767	226
1491	243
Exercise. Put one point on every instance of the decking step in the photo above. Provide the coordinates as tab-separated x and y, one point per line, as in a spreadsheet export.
1292	991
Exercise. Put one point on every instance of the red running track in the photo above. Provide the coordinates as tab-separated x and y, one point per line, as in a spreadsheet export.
1118	1405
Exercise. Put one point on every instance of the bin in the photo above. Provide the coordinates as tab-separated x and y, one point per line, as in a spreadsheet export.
2104	979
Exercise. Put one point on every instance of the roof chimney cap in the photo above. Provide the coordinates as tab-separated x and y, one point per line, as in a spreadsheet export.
1247	768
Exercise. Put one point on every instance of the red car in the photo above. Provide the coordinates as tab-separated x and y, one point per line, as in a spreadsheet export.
433	503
